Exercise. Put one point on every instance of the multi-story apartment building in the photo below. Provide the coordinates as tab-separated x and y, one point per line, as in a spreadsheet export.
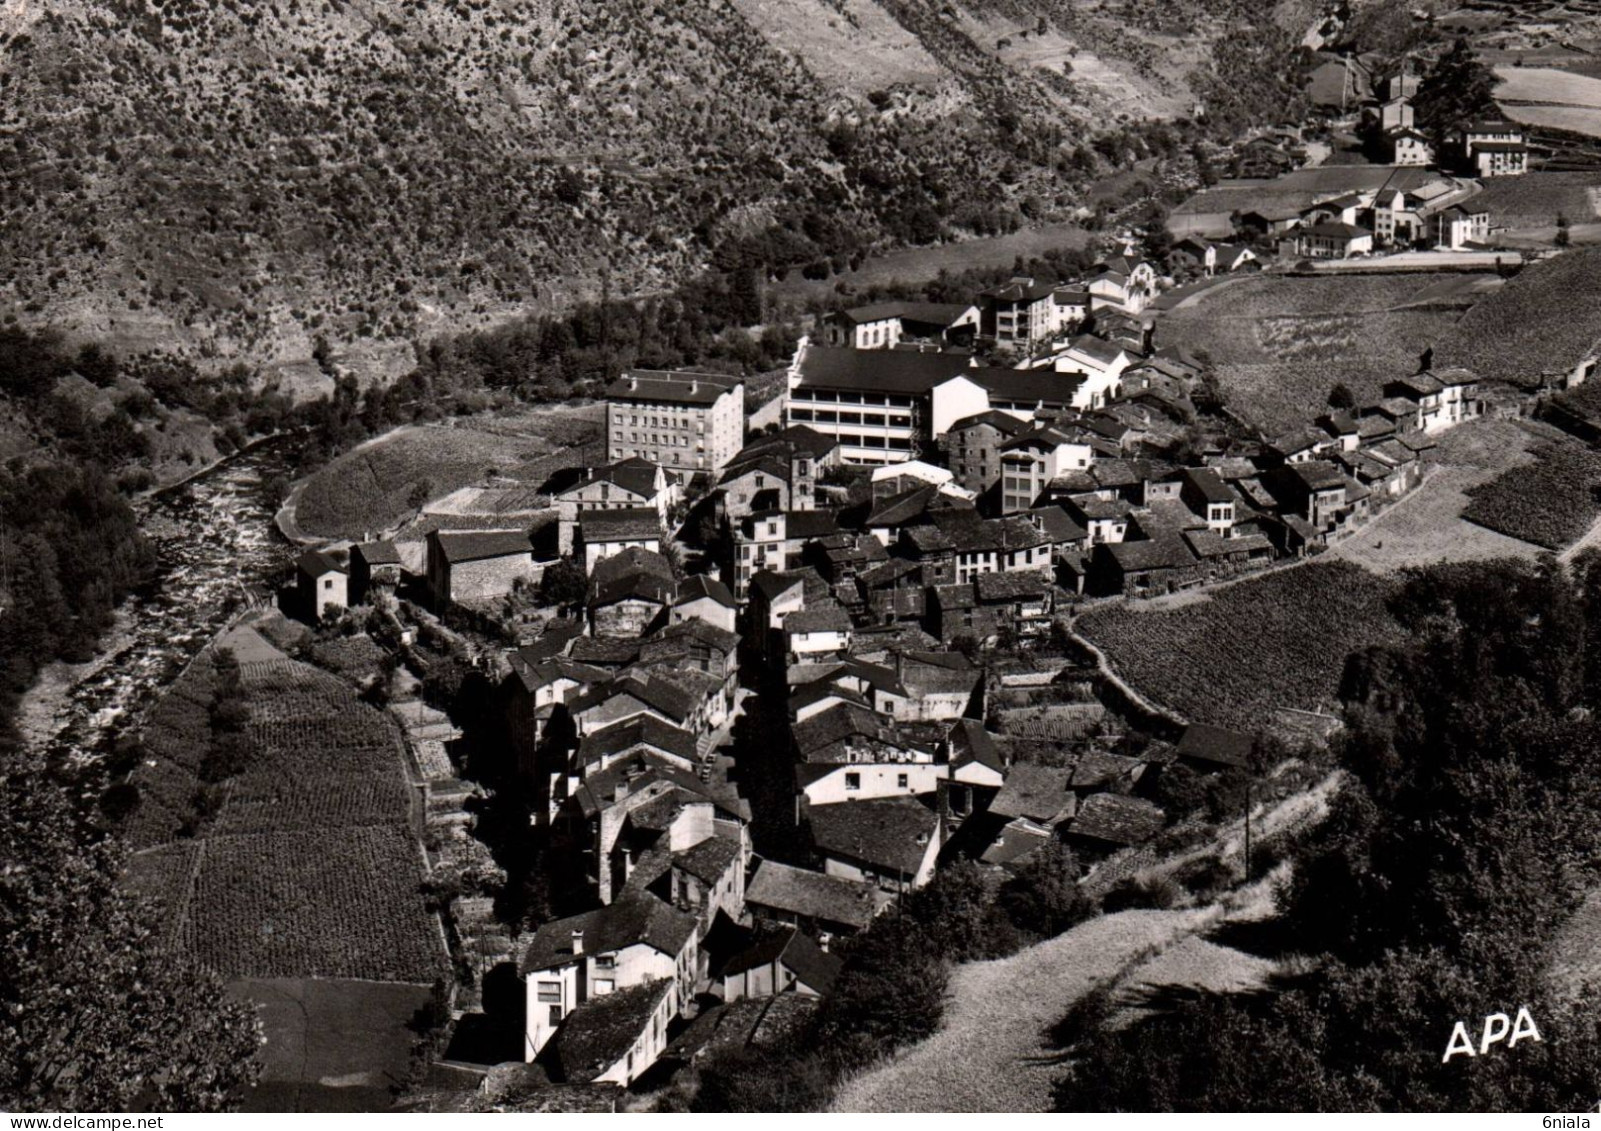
1032	460
684	421
1018	313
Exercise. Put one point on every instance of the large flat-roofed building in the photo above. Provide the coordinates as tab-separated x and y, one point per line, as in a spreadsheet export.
887	406
684	421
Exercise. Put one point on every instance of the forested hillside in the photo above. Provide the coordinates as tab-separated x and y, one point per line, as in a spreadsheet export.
235	178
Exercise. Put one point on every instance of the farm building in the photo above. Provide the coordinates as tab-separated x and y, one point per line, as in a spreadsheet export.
373	564
478	565
1333	240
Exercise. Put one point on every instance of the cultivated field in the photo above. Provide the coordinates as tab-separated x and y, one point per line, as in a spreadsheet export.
372	487
301	864
1552	501
1427	526
1544	321
1536	199
1281	343
1235	655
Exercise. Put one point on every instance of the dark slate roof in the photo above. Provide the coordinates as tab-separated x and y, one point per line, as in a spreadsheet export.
1099	768
813	895
1318	474
646	730
634	585
603	650
1215	744
378	553
795	951
710	860
1149	554
971	534
1000	421
884	832
1117	820
675	387
970	742
1209	484
635	919
635	475
1039	793
1057	525
1011	586
837	723
880	371
315	563
626	524
704	631
1333	229
1019	290
810	524
935	313
478	545
601	1032
901	509
534	669
701	586
828	616
1041	385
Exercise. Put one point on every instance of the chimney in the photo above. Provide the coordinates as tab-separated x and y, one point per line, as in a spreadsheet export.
694	386
578	942
620	792
633	382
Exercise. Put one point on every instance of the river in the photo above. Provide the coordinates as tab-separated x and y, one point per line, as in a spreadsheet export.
215	543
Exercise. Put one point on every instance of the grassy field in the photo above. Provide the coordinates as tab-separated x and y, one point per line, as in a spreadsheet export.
1535	199
1280	343
1236	655
1427	526
336	1045
913	265
1546	96
992	1052
371	488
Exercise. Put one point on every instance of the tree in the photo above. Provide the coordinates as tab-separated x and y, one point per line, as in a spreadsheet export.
1457	89
1044	898
1341	397
564	583
97	1013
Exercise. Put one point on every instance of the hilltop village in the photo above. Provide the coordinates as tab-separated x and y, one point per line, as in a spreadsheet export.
765	669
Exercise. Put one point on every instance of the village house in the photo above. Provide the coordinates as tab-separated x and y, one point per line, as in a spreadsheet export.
1314	491
1145	568
885	325
1409	146
819	631
1440	399
1495	149
570	962
373	566
974	772
630	593
1107	822
703	597
686	422
616	1038
819	904
1017	313
1460	226
628	484
535	692
785	961
605	533
321	583
1209	747
1029	461
777	472
1333	240
1100	363
889	841
479	565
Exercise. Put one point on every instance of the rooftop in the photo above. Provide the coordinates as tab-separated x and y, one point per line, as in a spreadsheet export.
671	386
882	371
813	895
625	524
1118	820
642	919
603	1030
459	546
885	832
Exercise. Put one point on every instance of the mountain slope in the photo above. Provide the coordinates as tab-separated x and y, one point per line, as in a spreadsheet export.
235	178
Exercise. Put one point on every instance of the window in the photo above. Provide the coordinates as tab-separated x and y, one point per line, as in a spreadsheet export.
328	584
902	781
549	991
853	781
604	986
555	1015
605	962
